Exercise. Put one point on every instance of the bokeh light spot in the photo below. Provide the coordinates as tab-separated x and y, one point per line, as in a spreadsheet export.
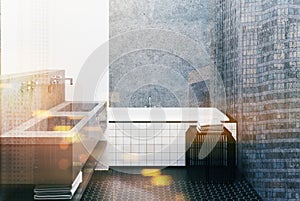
64	164
63	145
62	128
150	172
83	158
161	180
41	113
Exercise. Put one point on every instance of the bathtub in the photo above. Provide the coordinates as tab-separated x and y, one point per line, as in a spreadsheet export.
154	136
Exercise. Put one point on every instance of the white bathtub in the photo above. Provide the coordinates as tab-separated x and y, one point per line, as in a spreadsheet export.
154	136
200	115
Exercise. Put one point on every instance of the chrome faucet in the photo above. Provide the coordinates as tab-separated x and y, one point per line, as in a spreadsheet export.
56	79
149	101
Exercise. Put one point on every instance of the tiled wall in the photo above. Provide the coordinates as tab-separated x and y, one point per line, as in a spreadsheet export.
22	94
147	144
261	76
199	87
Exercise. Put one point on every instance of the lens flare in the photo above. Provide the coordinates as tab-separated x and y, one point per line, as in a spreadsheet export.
161	180
5	86
150	172
179	197
64	164
62	128
64	145
76	138
83	158
92	128
41	113
75	117
68	140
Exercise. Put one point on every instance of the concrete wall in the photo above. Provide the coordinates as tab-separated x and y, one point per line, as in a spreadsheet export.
151	65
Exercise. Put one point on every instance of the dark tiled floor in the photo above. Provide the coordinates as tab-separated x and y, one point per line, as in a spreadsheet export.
16	192
172	184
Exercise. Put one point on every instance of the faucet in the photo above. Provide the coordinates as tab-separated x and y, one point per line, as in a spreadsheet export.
56	79
149	101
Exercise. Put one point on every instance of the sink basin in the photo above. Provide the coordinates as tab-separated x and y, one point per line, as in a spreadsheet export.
54	145
56	123
78	107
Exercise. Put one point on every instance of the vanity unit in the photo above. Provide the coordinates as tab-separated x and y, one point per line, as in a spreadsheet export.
52	149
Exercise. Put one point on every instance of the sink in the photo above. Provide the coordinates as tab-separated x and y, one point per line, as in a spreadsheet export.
56	123
78	107
55	146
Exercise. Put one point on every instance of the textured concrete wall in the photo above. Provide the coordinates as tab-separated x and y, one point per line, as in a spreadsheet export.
157	65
